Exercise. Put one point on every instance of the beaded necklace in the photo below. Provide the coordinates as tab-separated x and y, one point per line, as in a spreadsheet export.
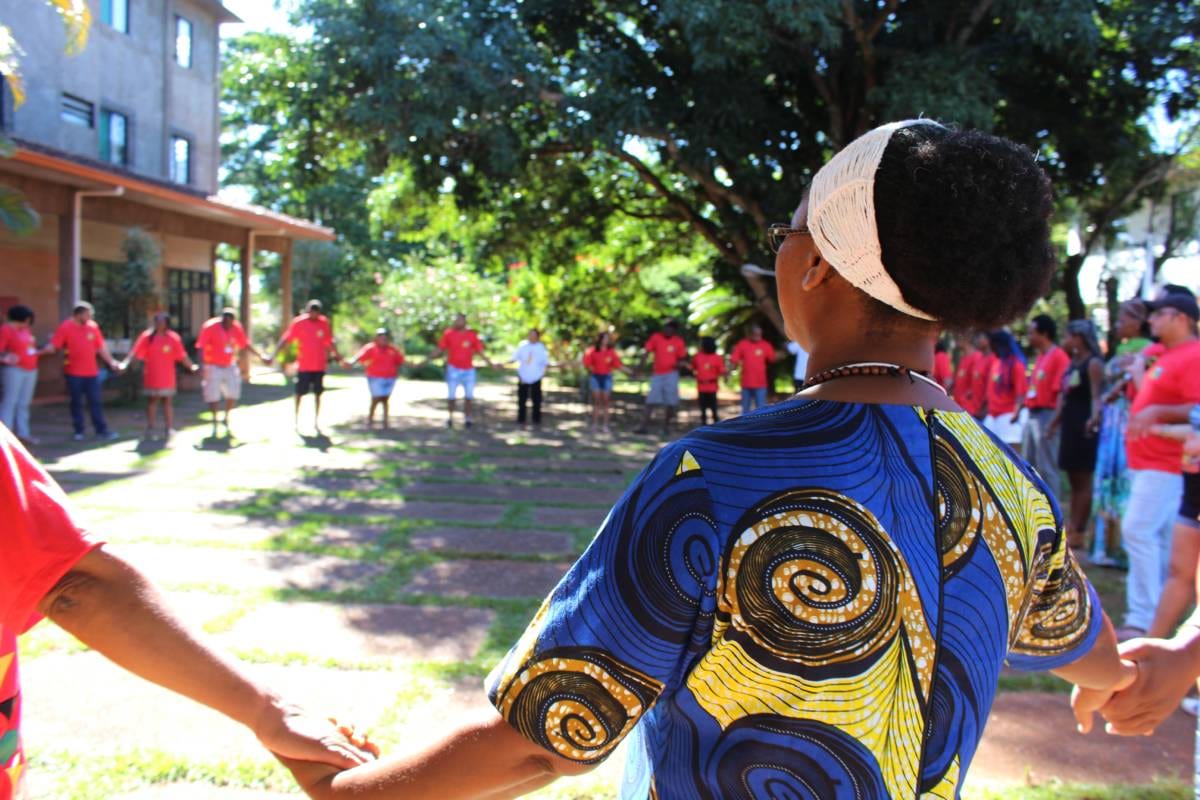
869	368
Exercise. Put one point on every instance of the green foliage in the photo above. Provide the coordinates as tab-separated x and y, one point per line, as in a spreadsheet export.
15	212
136	289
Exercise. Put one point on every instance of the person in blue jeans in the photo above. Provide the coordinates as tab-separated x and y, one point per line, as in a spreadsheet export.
80	338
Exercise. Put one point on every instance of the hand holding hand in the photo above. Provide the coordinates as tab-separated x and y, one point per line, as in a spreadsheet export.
1016	417
1141	423
11	358
292	733
1085	702
1165	672
195	368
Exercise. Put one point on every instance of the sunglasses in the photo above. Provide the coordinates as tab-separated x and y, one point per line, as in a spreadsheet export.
778	233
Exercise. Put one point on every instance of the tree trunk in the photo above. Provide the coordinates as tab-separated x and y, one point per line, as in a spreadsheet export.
1075	306
1114	304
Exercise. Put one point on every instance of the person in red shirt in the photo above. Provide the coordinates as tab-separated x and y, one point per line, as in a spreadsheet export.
708	368
83	342
1041	443
383	361
1168	391
943	369
313	336
1006	385
600	360
964	387
460	345
670	353
19	354
160	349
52	567
753	354
219	343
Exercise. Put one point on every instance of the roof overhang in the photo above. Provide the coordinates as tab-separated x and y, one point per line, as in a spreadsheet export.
73	172
218	10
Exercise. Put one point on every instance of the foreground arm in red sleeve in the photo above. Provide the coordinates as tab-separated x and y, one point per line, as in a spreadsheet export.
51	567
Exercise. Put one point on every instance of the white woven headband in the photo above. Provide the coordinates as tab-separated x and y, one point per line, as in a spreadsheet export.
841	216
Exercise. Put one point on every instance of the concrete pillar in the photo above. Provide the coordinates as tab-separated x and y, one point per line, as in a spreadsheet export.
68	262
285	285
247	266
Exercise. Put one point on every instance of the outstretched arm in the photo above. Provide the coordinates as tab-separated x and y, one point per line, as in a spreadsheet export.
502	763
109	605
1097	676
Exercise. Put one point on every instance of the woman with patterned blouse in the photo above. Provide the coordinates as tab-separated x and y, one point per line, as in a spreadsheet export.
816	599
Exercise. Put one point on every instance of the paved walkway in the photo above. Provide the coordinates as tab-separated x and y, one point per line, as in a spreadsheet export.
376	575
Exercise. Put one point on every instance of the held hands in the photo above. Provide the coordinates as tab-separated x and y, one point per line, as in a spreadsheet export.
1085	702
290	732
1165	670
315	775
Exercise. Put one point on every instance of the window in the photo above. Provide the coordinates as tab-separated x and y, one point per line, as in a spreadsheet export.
78	111
114	138
189	299
181	159
116	14
183	42
100	282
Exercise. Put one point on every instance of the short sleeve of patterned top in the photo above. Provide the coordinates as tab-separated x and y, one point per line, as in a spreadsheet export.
811	601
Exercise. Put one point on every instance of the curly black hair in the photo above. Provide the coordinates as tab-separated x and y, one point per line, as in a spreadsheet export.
964	225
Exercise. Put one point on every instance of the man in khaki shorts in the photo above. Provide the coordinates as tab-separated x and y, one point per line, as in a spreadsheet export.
219	342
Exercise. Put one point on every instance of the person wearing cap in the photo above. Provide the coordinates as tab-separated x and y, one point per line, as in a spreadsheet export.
81	339
159	348
313	336
1167	393
383	361
220	341
1041	440
816	601
460	344
19	355
532	359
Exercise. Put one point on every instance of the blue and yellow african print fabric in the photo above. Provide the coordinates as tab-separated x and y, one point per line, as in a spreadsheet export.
811	601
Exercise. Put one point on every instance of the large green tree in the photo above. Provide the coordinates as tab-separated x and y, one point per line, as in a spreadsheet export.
706	118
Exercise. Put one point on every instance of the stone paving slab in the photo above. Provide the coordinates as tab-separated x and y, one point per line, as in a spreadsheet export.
486	578
174	564
493	540
513	494
411	509
354	633
553	517
182	526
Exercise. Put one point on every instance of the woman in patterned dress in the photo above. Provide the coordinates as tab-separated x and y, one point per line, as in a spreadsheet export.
813	600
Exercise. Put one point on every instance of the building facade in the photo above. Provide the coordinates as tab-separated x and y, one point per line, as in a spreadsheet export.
126	135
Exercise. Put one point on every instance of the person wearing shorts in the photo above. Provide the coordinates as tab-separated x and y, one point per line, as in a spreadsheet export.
313	336
460	345
669	352
159	349
600	360
383	361
221	339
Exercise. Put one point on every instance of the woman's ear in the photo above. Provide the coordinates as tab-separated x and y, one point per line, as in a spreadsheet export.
816	273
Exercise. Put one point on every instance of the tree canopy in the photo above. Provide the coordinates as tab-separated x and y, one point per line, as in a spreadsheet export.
696	121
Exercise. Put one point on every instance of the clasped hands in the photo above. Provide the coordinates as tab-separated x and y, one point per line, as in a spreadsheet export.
1165	670
312	748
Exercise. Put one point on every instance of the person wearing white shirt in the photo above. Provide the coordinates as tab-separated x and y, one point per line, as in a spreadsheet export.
532	360
798	374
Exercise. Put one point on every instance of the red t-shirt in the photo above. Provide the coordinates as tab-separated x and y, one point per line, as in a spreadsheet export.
754	357
1006	383
964	383
382	362
709	367
668	352
1048	373
1173	380
981	379
82	343
315	340
219	347
41	543
601	362
942	368
19	341
159	354
461	347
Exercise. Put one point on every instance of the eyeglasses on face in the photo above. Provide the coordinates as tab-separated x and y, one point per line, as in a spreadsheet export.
779	232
